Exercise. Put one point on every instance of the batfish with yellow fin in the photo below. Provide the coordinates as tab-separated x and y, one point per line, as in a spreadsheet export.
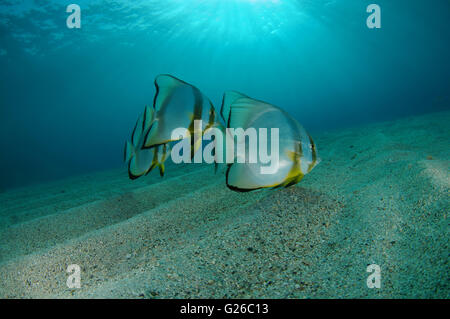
297	152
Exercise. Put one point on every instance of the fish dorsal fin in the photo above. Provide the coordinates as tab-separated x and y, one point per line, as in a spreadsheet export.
244	109
165	85
228	99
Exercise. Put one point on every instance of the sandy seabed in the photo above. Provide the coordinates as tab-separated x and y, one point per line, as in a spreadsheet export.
379	196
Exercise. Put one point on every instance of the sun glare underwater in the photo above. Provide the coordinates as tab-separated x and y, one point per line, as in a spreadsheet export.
359	91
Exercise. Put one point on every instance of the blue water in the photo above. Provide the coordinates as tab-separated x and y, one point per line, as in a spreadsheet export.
70	97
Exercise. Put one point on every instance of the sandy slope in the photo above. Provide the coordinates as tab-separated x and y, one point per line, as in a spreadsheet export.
379	196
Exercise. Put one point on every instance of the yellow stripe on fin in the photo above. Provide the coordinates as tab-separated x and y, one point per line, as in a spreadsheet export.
163	158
